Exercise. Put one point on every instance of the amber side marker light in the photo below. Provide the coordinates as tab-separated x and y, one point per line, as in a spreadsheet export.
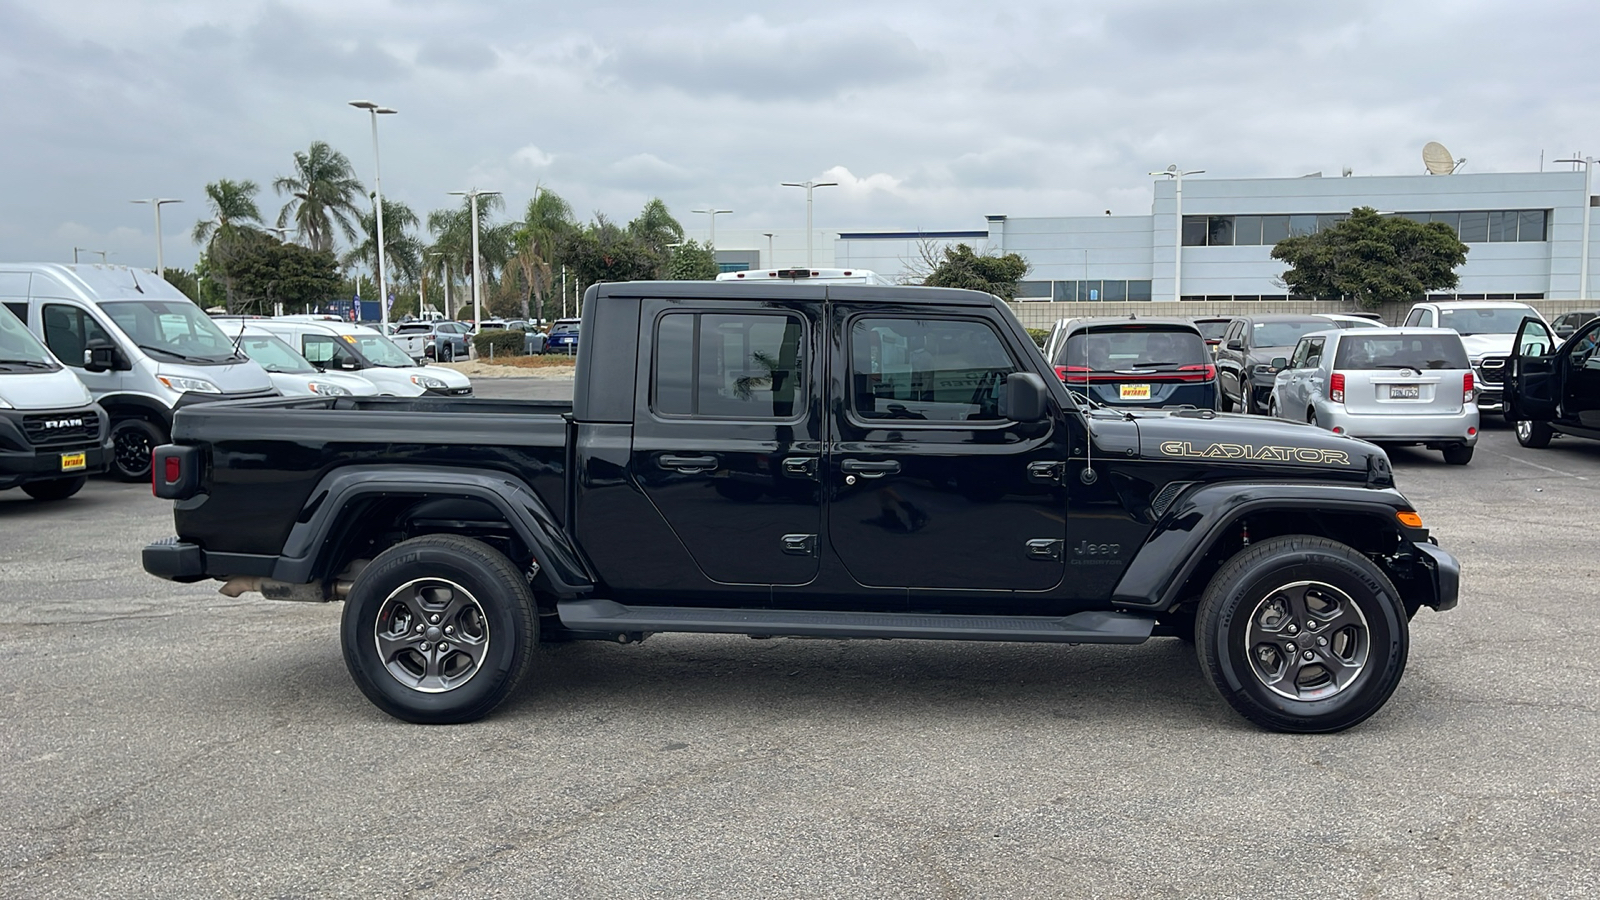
1409	518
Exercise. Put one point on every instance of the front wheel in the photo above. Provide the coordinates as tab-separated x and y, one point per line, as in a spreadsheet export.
1302	634
1535	435
1458	455
132	442
439	629
55	488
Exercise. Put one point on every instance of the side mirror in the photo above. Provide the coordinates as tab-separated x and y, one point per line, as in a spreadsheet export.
1279	362
100	356
1236	344
349	364
1023	399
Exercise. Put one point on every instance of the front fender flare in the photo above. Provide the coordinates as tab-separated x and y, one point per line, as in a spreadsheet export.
1200	516
559	562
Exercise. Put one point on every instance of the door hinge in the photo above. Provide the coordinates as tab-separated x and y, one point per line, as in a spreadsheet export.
1046	471
799	544
1047	549
800	467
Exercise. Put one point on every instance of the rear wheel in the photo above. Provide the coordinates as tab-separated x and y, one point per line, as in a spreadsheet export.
55	488
1458	455
439	629
132	442
1533	434
1223	401
1272	407
1302	634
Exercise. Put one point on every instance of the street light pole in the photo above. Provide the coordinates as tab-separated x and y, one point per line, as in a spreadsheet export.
477	264
377	186
769	264
1176	174
161	268
440	256
1583	271
713	212
809	186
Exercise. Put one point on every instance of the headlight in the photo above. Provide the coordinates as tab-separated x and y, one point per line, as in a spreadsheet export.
188	385
327	390
1263	369
4	404
428	382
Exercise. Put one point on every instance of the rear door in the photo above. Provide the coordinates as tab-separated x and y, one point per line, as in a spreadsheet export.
1534	388
930	485
727	442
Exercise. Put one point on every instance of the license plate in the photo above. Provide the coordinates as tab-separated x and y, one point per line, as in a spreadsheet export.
1405	392
1134	392
72	462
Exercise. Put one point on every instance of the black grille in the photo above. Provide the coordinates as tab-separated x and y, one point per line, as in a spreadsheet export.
1492	370
61	430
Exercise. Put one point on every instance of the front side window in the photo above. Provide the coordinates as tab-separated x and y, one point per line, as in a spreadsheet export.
927	369
328	352
1314	352
273	355
68	331
1301	350
729	366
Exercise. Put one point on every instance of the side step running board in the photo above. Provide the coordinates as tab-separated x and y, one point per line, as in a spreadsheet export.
609	617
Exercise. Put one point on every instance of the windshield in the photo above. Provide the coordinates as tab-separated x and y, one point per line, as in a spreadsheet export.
1285	334
379	350
274	355
1110	351
18	345
172	328
420	328
1484	321
1401	351
1213	331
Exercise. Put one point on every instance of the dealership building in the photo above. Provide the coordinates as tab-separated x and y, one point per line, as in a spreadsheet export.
1524	231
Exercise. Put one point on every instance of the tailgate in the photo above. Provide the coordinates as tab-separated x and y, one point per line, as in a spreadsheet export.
1403	392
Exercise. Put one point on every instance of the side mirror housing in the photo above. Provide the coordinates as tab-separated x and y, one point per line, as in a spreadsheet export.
1024	397
1236	344
1279	362
349	364
101	356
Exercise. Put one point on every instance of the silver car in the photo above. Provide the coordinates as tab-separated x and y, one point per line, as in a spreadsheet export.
1389	385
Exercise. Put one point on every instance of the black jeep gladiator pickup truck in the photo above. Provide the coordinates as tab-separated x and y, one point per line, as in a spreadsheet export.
820	460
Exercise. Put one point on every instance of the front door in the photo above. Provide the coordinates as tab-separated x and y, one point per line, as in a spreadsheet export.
930	485
1535	383
1580	393
68	330
727	445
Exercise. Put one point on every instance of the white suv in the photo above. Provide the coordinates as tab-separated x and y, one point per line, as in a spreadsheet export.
1487	328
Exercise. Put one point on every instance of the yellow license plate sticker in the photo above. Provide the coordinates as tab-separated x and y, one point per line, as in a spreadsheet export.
1135	392
72	462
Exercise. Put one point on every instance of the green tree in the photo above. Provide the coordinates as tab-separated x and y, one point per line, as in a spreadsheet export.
401	248
605	252
1372	259
961	267
323	192
290	274
692	262
536	250
186	283
452	241
231	230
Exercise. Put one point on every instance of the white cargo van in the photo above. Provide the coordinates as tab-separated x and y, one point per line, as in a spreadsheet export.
806	276
137	343
52	434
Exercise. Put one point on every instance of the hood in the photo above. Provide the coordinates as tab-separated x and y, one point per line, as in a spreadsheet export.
1481	345
43	390
236	378
1201	436
292	384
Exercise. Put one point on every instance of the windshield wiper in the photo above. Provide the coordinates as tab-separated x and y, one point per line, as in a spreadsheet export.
32	363
170	352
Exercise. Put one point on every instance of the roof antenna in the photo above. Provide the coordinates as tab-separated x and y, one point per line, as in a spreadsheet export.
135	278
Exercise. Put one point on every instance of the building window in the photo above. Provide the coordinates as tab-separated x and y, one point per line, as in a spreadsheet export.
1033	290
1194	231
1219	231
733	267
1139	291
1472	227
1274	229
1066	291
1246	231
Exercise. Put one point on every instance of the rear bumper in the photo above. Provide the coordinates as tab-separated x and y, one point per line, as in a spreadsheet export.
1415	428
178	560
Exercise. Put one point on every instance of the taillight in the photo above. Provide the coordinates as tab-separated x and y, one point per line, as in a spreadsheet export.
1081	371
1203	373
1466	388
1336	387
175	472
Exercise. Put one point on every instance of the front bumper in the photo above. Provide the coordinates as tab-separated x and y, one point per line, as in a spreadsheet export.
1445	573
23	461
1418	428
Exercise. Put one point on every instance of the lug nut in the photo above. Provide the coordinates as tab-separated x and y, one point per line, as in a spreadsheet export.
449	629
1293	629
1322	642
423	646
1308	656
433	619
419	628
1291	647
444	648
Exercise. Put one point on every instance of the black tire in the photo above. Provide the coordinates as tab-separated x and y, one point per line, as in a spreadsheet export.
132	442
1535	435
1223	401
1363	645
449	352
1272	407
457	591
55	488
1458	454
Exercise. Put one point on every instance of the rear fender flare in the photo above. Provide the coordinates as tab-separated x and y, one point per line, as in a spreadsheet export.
1201	516
560	565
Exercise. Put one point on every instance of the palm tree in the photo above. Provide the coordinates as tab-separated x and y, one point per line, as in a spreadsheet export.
452	230
656	227
402	251
323	192
536	246
230	230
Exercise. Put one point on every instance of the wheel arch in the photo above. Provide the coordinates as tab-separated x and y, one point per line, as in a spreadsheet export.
136	406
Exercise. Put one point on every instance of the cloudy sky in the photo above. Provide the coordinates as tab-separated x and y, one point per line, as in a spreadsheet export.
929	114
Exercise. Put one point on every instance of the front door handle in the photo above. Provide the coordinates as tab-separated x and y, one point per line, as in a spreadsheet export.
868	469
688	464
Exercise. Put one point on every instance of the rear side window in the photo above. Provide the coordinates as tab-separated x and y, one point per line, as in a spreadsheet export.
728	366
1401	351
1132	348
935	370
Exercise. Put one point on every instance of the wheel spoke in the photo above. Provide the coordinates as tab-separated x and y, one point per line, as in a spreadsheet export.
1296	635
420	617
391	645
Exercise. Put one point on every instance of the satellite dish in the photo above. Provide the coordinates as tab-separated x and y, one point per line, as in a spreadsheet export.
1438	159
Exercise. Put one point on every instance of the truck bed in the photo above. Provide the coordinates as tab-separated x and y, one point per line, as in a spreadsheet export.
267	456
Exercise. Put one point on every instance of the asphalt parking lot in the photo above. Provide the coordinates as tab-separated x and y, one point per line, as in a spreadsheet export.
163	740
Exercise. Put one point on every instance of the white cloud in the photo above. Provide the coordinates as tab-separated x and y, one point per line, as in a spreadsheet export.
532	157
880	181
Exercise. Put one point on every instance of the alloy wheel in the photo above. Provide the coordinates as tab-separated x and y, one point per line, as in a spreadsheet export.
432	635
1307	641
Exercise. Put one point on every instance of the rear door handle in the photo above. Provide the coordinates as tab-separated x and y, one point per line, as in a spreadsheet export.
868	469
689	464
